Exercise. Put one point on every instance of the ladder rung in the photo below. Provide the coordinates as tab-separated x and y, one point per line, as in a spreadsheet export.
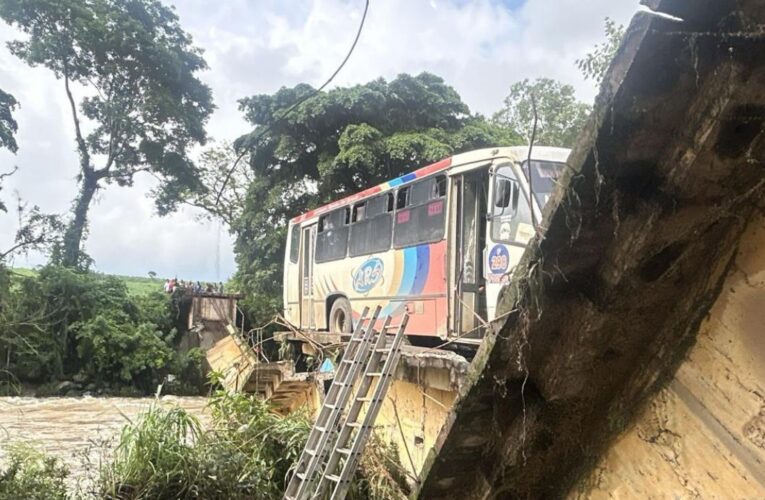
344	451
333	478
364	399
300	475
384	350
355	425
375	374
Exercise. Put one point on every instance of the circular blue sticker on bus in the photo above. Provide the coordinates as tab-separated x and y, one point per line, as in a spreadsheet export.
499	259
368	275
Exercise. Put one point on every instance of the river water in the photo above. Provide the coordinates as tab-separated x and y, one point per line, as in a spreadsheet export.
80	431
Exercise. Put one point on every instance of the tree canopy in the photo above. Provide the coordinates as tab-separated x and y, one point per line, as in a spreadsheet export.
8	125
560	116
334	144
144	103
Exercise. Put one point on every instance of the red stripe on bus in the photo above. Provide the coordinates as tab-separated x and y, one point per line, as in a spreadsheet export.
428	169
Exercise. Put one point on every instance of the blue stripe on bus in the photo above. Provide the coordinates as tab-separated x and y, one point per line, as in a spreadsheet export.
400	180
413	279
410	270
423	267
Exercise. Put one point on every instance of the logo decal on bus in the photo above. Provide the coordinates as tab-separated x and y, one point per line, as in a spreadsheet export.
499	259
368	275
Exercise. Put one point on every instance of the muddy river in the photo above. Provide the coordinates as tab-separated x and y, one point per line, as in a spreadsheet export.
80	431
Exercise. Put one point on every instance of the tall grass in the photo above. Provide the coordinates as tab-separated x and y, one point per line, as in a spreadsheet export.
247	452
157	457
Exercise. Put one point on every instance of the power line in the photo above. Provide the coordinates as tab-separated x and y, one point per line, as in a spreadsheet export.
300	101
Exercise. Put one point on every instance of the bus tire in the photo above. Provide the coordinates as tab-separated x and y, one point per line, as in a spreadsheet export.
341	316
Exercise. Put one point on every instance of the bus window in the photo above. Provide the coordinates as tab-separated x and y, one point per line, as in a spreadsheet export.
509	208
373	234
424	216
358	211
295	243
544	175
402	197
428	189
332	240
380	205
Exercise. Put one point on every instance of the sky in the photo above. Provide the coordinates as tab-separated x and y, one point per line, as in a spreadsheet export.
257	46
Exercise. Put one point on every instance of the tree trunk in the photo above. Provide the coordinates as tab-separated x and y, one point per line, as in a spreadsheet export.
74	231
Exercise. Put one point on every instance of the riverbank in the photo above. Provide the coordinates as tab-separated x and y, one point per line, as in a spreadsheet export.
227	446
78	431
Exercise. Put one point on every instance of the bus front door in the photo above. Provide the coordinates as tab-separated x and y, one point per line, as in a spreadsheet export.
469	296
306	278
509	231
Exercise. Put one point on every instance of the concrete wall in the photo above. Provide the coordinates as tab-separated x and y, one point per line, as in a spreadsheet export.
215	308
703	435
418	412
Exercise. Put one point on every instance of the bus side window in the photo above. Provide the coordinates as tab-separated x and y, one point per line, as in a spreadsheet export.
358	211
332	240
422	218
440	187
402	197
295	243
372	234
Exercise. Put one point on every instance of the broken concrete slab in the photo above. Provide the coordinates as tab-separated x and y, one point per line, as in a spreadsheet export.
638	241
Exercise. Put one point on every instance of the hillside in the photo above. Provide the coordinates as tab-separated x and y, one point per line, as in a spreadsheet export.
136	285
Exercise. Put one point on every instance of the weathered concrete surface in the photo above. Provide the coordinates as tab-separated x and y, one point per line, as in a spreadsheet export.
704	434
411	416
425	385
638	242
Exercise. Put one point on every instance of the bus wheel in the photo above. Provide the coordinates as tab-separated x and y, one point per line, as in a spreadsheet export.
340	316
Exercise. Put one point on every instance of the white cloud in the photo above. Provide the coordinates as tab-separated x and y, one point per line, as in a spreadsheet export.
479	47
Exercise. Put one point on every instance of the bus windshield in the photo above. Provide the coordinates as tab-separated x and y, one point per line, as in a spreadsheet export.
544	175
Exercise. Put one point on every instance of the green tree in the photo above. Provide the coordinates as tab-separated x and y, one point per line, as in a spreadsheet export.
559	115
136	68
334	144
8	125
594	64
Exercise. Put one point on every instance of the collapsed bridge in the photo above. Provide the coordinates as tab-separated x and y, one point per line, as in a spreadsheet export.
636	247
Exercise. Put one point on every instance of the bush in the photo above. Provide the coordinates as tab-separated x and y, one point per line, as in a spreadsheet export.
113	349
32	475
60	323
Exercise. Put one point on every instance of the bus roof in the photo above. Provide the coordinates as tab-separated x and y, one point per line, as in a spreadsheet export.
517	152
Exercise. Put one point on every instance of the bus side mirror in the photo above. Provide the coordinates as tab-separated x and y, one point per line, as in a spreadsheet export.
506	195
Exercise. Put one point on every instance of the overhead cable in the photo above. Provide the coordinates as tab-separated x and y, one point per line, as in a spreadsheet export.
300	101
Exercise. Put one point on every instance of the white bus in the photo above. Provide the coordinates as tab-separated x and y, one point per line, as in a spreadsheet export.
438	243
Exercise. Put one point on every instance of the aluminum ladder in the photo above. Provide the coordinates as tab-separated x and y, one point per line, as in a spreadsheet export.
354	433
324	432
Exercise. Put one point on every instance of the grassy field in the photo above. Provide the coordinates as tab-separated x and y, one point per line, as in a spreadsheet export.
136	285
139	286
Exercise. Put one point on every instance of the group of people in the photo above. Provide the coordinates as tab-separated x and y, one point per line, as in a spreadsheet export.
172	284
